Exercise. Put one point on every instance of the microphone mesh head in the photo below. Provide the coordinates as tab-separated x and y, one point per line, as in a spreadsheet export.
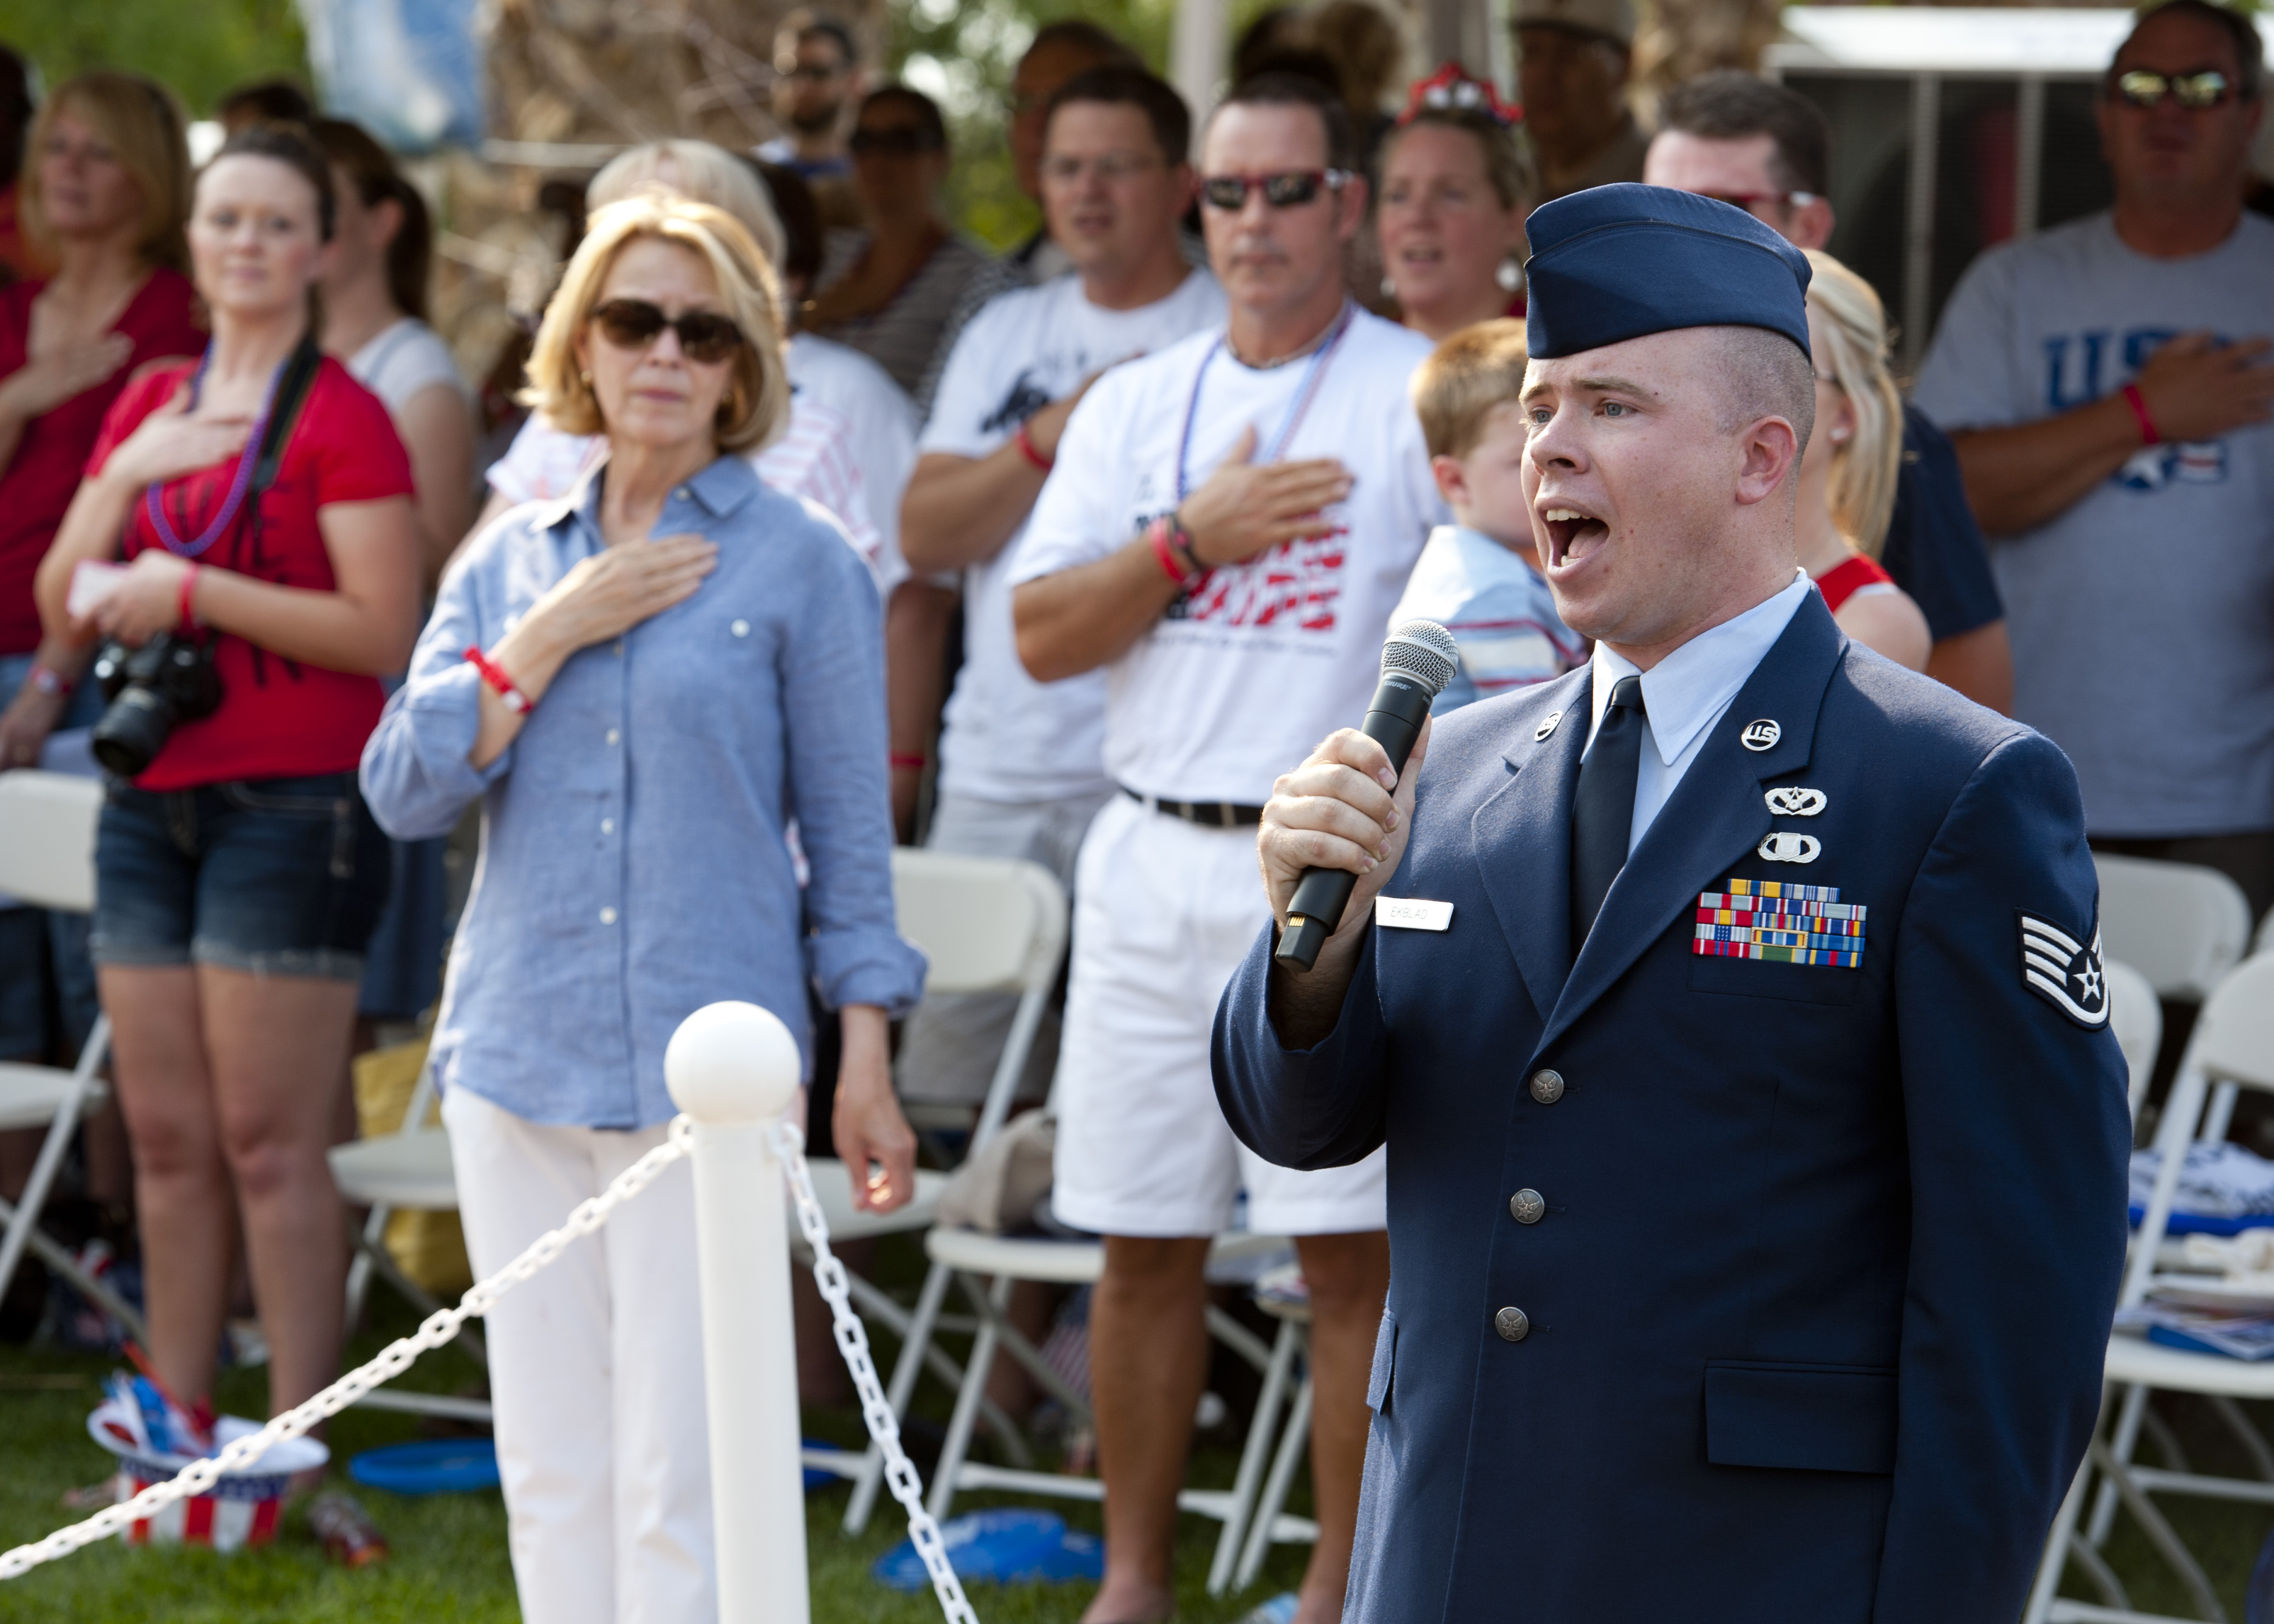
1423	650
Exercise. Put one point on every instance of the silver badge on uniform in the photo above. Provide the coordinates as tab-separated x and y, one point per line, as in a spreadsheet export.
1794	802
1547	726
1785	846
2065	972
1760	736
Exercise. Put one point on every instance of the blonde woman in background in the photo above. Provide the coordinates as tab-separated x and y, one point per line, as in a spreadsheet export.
642	683
1847	474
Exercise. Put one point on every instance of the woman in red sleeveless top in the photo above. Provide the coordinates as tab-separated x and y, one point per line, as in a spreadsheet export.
1846	491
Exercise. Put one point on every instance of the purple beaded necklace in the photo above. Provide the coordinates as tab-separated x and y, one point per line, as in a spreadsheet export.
253	438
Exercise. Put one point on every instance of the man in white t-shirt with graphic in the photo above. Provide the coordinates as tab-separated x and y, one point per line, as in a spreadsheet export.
1021	762
1229	524
2108	387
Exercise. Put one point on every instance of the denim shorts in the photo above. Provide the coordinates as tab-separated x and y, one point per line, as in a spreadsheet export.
275	876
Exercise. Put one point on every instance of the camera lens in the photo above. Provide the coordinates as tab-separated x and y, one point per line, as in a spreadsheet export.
132	731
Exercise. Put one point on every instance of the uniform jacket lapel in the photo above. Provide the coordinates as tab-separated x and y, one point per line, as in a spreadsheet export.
1716	815
1523	840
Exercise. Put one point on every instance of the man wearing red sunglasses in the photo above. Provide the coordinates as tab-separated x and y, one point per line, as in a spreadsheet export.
1228	523
2109	386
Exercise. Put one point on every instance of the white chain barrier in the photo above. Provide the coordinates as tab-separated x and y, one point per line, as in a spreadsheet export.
439	1327
853	1341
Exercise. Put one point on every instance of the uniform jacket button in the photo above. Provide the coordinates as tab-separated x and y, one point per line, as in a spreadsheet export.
1547	1086
1513	1324
1527	1206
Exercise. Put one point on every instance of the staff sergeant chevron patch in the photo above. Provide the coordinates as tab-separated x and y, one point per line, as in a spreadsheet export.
2064	972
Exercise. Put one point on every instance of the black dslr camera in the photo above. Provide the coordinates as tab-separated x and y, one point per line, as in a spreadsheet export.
169	681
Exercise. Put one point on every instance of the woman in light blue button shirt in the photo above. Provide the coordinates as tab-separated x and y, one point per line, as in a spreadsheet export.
645	683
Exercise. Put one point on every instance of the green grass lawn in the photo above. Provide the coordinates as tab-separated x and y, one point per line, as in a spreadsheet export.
449	1558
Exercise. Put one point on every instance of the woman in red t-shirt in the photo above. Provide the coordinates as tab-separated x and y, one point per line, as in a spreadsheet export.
1847	492
238	874
1455	186
106	189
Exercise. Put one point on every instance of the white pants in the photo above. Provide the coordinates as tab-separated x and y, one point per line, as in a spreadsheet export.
596	1373
954	1040
1163	913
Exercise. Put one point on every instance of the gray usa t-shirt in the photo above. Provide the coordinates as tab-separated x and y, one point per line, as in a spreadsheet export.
2142	618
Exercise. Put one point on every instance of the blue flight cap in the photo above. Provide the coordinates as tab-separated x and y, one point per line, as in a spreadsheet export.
1616	262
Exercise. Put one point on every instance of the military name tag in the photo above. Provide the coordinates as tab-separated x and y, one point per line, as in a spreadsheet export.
1781	922
1412	914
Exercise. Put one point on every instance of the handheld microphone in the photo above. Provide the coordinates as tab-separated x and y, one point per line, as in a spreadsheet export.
1417	662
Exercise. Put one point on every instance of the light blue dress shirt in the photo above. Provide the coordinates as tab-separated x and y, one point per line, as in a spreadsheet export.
634	863
1686	694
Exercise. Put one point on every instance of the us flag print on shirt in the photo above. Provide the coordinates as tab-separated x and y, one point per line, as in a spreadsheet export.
1296	583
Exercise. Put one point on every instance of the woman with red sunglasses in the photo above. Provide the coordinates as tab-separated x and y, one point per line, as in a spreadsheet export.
1456	183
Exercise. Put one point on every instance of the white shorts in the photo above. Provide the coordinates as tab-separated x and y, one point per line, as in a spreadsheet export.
1163	913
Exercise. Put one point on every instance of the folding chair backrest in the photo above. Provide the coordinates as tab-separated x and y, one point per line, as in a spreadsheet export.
47	838
2264	942
2234	1041
987	924
2180	926
2137	1019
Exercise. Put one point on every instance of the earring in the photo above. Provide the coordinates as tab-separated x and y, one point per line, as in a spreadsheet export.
1389	289
1509	276
583	376
1840	437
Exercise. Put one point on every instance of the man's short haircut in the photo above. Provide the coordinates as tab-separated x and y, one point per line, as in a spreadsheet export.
837	34
1278	89
1730	105
800	216
2249	47
1455	390
1080	35
1766	375
1118	85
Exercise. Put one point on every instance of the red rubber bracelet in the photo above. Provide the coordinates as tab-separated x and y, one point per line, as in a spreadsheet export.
1024	439
184	617
1158	534
2139	405
910	763
493	674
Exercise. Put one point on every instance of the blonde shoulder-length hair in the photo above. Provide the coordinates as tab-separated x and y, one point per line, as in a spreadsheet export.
756	402
1864	470
140	122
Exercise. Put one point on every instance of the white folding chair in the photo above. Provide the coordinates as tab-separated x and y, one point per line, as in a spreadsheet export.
47	860
975	1257
2136	1018
985	924
1266	1523
409	1169
2181	926
2232	1047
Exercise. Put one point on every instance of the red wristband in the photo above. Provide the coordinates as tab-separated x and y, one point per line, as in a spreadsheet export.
184	617
47	680
493	674
912	764
2139	405
1023	438
1158	534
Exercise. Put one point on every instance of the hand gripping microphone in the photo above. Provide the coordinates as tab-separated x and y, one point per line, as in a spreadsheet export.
1417	662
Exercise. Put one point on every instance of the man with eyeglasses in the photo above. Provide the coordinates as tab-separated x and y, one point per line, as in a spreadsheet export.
1573	57
1228	523
2109	384
1767	149
817	76
1022	770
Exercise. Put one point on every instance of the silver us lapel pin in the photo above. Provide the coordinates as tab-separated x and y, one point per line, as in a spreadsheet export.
1761	734
1547	726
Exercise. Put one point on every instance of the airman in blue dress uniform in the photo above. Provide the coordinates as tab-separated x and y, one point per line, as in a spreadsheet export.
1756	1137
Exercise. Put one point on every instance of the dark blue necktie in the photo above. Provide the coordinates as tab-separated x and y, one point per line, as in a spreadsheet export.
1602	807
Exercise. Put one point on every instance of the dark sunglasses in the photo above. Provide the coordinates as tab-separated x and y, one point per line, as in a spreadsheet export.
899	141
1289	190
633	324
2199	90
